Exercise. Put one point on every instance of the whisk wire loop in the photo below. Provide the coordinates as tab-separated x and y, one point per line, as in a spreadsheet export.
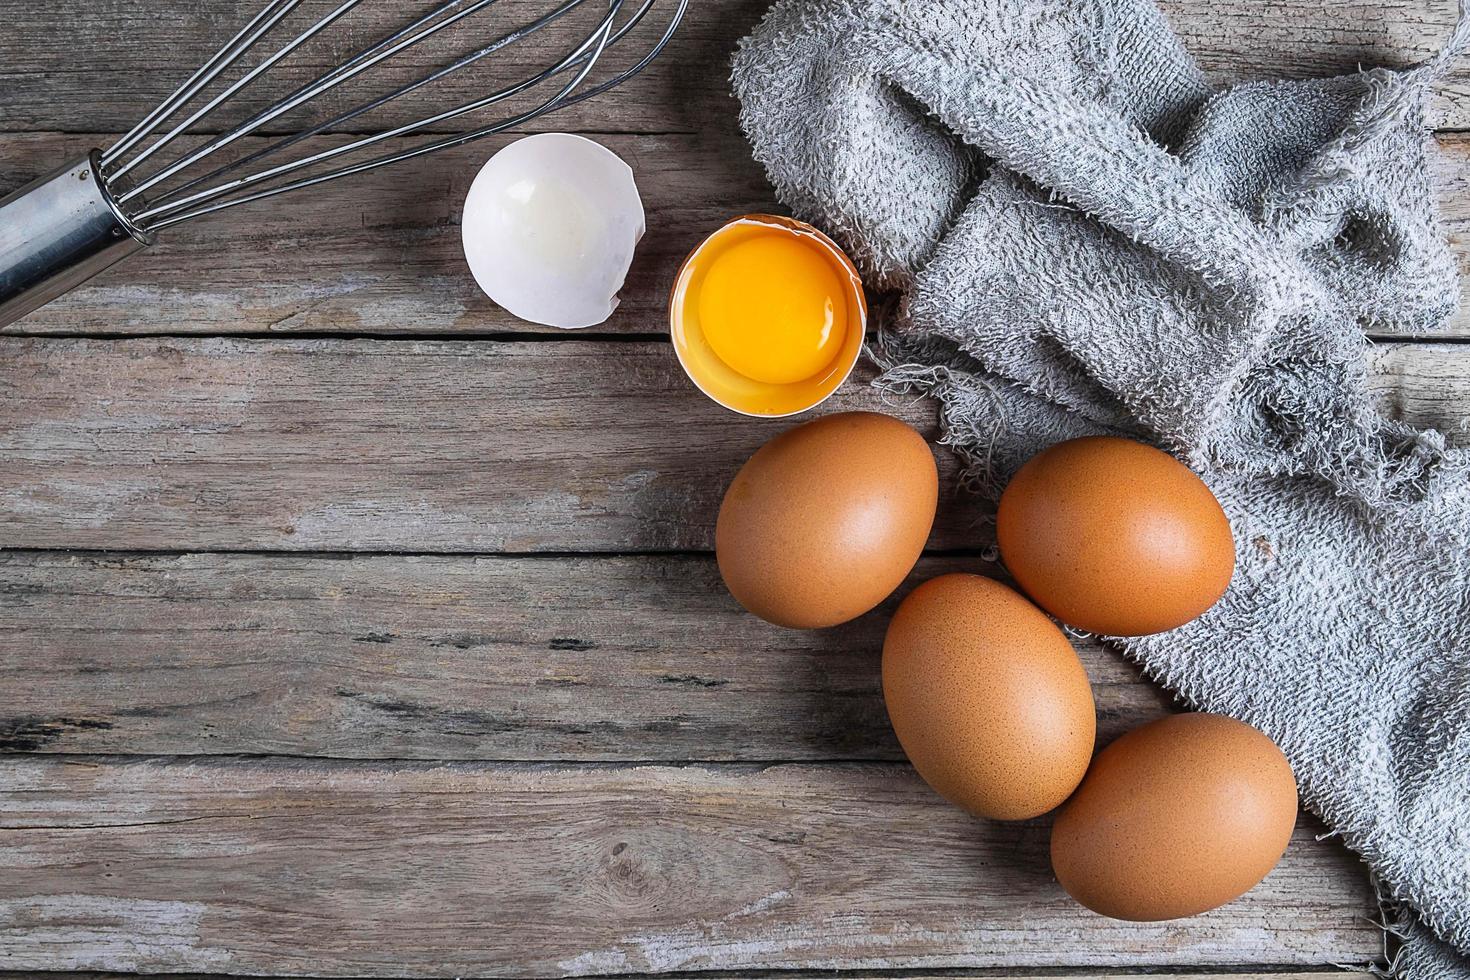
152	206
152	217
444	143
361	62
282	10
206	73
220	99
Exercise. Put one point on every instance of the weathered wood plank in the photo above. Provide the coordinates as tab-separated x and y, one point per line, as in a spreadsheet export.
367	445
444	658
1246	40
416	446
381	254
278	866
1426	384
1451	169
59	57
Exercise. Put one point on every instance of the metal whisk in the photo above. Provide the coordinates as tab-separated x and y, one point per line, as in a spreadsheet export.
66	227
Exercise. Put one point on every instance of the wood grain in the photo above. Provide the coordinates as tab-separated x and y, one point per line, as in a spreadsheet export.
1247	40
368	445
381	254
58	58
418	446
281	866
1426	384
445	658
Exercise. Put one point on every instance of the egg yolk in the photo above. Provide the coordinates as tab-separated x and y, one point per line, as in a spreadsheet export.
773	308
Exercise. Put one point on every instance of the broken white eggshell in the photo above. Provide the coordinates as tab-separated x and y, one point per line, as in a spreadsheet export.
550	225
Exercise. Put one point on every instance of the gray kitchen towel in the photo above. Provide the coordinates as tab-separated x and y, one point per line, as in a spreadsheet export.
1090	238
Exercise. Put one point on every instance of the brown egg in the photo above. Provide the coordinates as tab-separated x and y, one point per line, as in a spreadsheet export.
1175	818
1115	537
987	697
826	519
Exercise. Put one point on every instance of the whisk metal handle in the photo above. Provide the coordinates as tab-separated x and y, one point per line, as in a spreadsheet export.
56	233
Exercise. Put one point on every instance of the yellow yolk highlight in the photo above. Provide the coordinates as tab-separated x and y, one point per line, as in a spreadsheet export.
773	307
767	316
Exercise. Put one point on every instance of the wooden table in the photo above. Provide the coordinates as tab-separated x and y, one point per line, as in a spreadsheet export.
349	626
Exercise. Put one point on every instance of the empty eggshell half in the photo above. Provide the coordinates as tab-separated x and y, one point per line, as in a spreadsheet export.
550	225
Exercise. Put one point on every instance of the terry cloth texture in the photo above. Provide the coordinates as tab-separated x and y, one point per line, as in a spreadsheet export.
1090	239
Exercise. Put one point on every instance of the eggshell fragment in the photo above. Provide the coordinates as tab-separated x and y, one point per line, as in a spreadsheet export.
826	519
1116	537
1175	818
549	228
987	697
